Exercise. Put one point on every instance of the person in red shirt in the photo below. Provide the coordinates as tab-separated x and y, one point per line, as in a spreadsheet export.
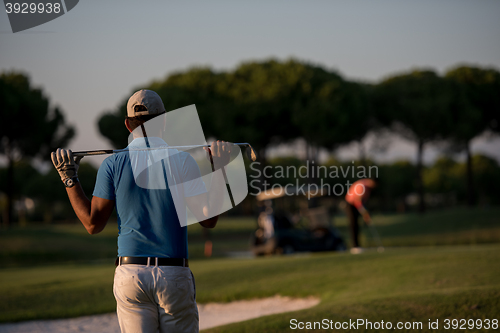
356	198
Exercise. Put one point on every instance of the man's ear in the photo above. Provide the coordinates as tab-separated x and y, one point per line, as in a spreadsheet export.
127	125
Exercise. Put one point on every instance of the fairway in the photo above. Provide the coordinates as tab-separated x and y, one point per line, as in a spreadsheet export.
440	265
53	244
400	285
406	284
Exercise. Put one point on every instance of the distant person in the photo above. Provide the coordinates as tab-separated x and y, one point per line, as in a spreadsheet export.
266	220
356	199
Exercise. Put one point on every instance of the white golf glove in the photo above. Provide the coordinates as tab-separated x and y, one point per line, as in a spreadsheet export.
66	164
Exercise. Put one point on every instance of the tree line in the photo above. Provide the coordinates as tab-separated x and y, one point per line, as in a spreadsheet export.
271	102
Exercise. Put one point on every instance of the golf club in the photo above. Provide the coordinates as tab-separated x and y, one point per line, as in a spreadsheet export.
249	150
380	247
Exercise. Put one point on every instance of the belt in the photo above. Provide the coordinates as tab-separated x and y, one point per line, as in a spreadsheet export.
152	261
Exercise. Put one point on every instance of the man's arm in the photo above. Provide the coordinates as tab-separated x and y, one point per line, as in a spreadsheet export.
93	214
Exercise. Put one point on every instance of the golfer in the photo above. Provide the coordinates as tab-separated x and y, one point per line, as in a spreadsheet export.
356	199
153	285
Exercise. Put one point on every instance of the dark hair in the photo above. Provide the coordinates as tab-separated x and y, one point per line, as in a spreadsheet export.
135	122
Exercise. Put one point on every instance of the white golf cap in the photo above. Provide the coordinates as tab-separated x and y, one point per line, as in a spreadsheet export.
147	98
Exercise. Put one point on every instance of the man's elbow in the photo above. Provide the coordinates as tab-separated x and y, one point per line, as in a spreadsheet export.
94	228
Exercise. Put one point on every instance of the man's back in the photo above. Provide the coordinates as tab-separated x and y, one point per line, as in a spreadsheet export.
147	220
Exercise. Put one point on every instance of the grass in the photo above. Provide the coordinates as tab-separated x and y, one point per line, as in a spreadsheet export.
444	227
440	265
56	291
411	284
70	243
35	245
402	285
52	244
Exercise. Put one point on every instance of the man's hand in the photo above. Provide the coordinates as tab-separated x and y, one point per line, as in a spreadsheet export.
220	153
65	163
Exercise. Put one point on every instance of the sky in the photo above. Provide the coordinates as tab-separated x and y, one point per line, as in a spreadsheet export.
99	53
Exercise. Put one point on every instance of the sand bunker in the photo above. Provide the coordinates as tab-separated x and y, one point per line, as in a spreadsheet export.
217	314
211	315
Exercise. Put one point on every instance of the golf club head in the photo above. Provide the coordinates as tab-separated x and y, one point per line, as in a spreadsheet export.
251	153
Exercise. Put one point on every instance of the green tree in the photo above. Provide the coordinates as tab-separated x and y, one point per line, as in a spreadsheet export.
24	174
196	86
48	190
441	177
487	179
418	106
476	107
395	183
29	128
445	176
256	102
336	112
265	95
275	102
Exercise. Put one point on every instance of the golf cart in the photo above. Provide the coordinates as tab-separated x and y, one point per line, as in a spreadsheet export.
281	232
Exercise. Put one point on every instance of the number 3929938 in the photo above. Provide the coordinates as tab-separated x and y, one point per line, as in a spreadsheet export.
32	8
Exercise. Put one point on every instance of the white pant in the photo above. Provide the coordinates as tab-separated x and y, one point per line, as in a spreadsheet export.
153	299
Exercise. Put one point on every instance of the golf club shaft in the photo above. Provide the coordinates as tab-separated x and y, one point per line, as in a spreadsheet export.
111	151
228	187
375	235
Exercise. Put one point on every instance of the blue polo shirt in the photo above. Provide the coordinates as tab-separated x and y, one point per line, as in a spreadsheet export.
148	222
